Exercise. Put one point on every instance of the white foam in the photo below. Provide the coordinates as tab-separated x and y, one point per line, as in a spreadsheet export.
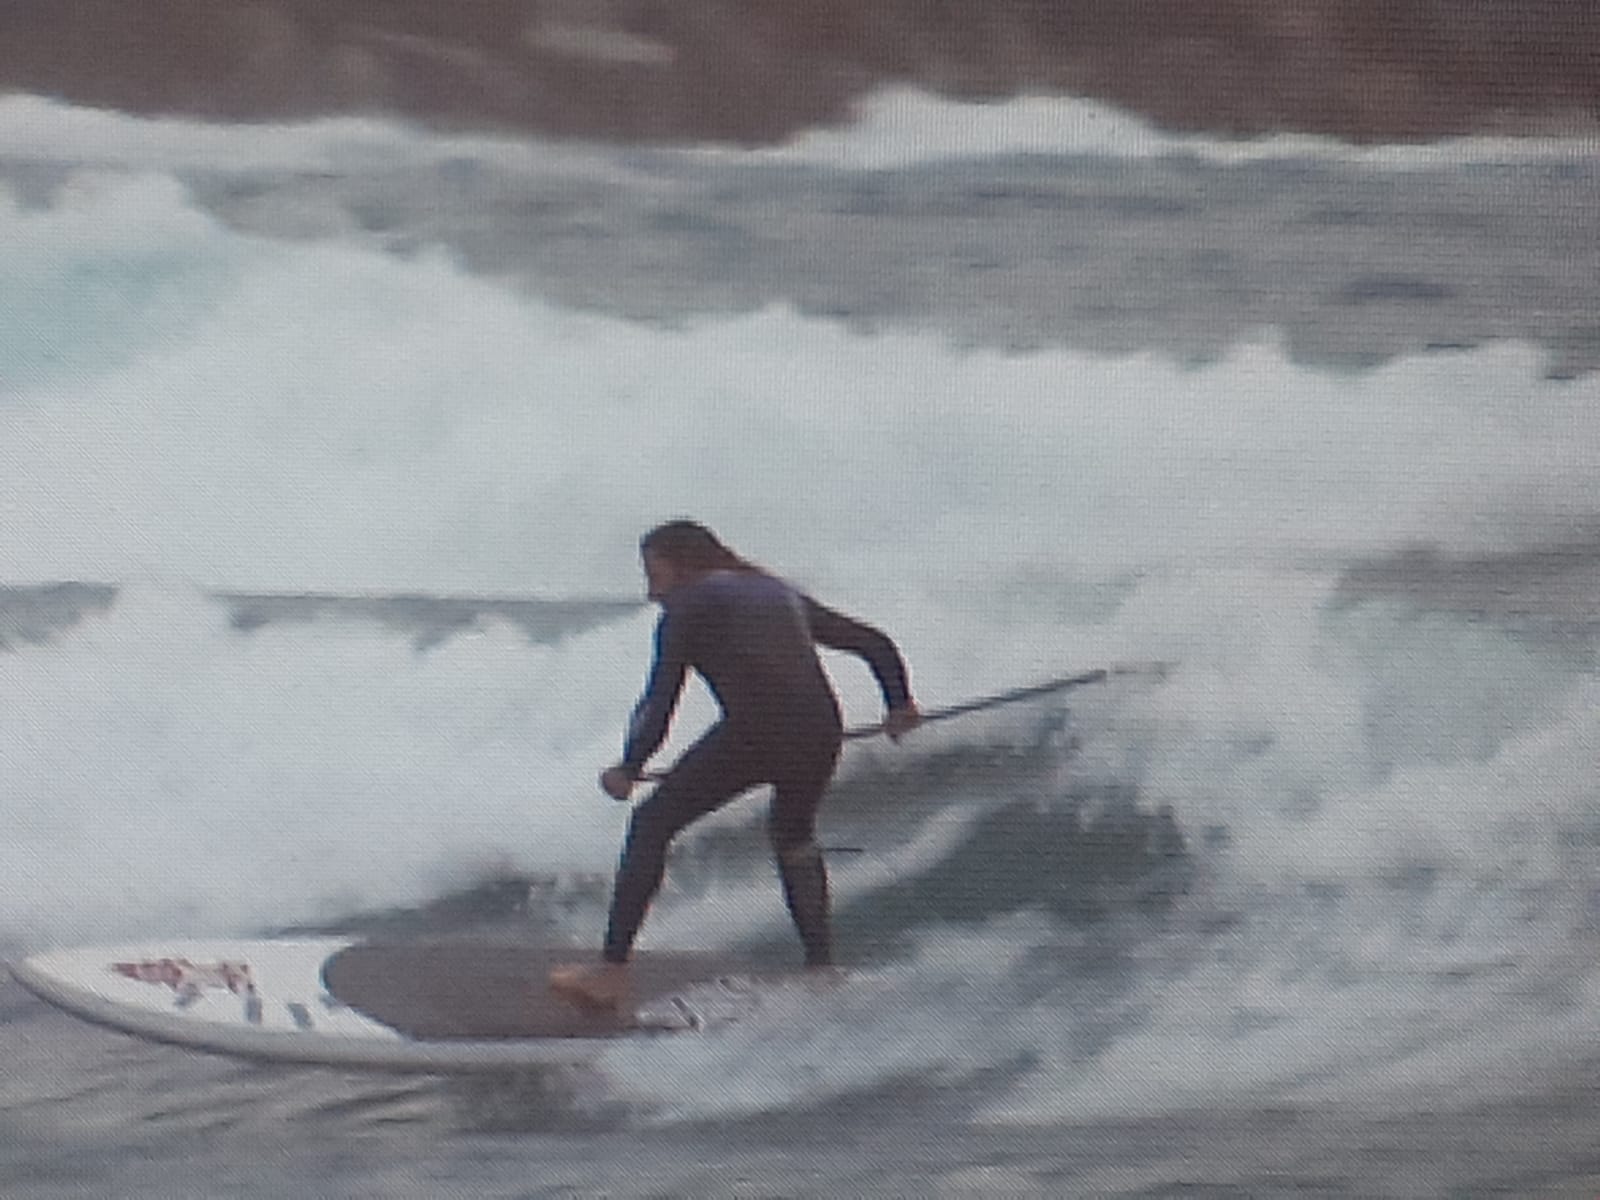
891	128
1376	1001
333	417
37	128
164	773
899	127
934	1020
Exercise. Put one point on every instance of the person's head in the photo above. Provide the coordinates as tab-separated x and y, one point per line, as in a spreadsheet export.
681	551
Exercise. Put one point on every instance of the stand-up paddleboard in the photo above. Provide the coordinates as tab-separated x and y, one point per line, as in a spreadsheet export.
413	1006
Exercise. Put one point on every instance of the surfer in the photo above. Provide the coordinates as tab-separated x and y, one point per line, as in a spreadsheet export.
752	638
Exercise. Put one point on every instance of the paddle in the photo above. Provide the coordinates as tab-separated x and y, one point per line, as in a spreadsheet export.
1010	696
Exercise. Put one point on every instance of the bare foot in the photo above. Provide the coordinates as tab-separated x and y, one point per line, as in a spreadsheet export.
600	987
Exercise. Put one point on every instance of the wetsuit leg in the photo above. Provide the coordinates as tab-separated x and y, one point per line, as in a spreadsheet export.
791	824
712	772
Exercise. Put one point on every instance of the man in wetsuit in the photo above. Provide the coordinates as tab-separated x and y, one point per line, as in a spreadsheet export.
753	639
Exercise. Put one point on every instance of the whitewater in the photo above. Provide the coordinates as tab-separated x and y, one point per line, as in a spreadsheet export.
346	433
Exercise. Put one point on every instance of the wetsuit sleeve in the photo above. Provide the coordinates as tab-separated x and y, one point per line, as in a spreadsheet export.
651	716
839	632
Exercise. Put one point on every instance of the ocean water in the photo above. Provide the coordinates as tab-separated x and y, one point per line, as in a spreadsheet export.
324	450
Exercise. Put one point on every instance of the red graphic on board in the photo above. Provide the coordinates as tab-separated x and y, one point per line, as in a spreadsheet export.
189	978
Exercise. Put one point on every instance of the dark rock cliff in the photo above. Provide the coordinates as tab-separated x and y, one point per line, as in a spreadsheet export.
759	70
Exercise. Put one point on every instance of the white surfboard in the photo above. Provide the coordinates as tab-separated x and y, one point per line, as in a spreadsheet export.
446	1006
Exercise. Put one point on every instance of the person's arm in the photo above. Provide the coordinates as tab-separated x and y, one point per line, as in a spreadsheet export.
653	714
839	632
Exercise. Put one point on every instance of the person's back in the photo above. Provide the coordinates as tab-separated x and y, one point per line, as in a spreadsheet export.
748	636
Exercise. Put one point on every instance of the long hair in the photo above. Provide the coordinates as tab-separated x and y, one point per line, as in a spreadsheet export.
690	545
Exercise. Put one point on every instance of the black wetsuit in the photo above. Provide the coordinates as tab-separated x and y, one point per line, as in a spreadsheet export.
753	639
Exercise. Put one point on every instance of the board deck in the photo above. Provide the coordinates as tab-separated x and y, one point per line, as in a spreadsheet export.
445	1006
464	989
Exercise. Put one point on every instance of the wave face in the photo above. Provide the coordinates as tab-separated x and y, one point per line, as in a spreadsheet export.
351	472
